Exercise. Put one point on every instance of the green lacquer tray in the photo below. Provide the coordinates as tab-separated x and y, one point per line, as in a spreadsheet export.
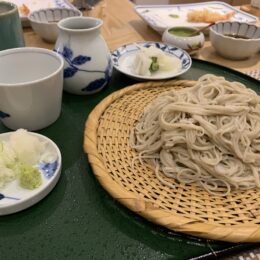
79	220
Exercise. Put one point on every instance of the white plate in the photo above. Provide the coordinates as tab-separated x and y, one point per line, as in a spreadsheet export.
123	60
14	198
34	5
161	17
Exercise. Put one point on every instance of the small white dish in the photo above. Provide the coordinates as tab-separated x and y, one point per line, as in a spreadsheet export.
123	59
44	21
161	17
14	198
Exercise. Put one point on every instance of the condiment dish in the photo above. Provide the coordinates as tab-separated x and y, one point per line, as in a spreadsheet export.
124	56
184	38
235	40
44	21
14	198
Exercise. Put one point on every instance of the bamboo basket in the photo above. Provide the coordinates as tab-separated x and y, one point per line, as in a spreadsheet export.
187	208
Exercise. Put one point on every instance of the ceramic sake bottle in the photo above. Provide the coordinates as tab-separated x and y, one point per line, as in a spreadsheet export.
88	65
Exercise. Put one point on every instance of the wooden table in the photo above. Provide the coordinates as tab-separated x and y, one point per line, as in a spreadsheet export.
122	25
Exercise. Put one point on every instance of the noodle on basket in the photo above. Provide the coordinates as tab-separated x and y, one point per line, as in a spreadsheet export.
208	134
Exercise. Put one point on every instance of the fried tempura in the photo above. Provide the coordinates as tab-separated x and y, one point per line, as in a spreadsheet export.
24	10
207	16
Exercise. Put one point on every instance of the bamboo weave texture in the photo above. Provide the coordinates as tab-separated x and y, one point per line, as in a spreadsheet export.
187	208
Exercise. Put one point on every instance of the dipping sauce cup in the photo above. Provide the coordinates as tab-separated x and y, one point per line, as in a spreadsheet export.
31	85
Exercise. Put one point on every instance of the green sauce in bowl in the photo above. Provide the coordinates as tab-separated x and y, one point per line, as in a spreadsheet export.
182	31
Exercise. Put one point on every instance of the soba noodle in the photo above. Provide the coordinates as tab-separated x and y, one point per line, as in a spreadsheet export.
208	134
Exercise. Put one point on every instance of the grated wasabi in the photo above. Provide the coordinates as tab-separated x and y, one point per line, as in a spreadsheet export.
29	177
18	159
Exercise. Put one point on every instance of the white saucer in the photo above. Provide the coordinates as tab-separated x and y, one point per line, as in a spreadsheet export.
14	198
124	55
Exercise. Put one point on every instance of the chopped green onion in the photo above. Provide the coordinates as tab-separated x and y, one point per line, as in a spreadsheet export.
174	15
154	65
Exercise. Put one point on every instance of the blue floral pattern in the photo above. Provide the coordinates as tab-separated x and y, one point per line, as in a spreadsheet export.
99	83
74	67
48	169
3	115
2	196
74	62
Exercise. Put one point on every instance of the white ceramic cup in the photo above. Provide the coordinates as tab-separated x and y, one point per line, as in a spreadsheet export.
31	85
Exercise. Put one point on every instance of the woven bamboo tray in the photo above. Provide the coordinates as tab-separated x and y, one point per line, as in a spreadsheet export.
187	208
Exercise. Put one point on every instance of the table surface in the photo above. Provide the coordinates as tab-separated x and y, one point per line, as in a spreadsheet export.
122	25
86	221
79	219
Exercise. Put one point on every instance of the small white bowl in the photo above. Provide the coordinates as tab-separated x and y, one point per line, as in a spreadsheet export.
14	198
191	44
235	48
44	21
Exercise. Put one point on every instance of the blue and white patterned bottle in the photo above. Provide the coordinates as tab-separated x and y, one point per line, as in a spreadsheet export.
88	65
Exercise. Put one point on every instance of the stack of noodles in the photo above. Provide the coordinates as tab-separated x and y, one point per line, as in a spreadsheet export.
208	134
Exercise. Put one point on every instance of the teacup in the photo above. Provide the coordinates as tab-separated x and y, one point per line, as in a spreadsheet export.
31	85
11	33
